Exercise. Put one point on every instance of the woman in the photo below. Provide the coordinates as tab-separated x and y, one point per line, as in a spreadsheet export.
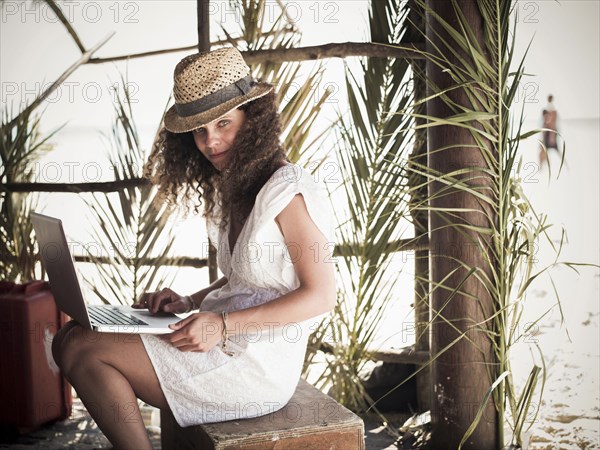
241	354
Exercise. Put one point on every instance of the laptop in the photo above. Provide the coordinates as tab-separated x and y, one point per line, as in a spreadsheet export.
66	289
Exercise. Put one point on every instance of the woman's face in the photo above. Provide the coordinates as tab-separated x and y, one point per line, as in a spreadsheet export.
214	139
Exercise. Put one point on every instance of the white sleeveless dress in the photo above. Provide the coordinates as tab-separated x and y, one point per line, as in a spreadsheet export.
263	373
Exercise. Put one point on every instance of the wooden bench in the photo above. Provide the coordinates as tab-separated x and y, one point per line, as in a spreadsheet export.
311	420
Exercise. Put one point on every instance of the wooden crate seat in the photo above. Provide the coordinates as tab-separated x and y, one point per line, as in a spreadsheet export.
311	420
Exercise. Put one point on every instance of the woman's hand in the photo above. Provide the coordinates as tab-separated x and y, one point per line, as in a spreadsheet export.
198	332
164	301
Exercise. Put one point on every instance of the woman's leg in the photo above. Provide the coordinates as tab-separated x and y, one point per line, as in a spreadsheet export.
109	371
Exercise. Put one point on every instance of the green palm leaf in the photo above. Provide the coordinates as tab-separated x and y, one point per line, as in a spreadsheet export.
372	147
21	144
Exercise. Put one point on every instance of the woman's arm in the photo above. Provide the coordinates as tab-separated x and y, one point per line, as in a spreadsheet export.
170	301
199	296
311	255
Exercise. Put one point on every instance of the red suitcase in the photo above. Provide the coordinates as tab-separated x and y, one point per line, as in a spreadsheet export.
32	390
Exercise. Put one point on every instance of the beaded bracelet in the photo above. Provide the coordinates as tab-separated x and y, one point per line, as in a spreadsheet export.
224	335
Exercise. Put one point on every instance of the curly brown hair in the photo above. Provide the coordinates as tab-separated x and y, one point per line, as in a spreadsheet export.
183	174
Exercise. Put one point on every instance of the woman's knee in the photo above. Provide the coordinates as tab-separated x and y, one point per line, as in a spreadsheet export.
58	339
68	344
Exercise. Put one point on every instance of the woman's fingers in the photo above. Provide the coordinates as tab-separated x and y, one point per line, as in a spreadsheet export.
165	300
178	306
190	348
182	323
181	334
155	301
199	332
160	300
142	301
145	300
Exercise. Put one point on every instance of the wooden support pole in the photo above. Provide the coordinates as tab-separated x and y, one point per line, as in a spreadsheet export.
460	374
203	25
422	300
204	46
415	28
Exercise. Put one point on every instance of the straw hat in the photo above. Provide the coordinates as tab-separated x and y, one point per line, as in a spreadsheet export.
208	85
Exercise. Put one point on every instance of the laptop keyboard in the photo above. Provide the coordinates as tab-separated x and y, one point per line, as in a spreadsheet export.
111	316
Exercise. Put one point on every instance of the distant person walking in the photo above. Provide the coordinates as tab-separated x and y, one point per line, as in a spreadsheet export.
550	129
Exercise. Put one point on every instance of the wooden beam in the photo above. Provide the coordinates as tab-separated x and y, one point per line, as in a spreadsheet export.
101	186
407	355
54	7
420	218
342	50
460	374
176	261
401	245
412	51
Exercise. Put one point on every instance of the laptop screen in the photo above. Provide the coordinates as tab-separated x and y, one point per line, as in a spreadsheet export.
58	263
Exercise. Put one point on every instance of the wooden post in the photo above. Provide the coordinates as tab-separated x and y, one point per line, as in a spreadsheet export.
204	46
203	25
461	375
414	33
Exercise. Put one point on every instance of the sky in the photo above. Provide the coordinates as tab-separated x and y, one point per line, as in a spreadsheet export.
45	49
35	49
562	59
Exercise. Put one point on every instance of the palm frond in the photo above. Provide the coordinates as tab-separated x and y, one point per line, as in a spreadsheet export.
372	146
129	224
21	145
